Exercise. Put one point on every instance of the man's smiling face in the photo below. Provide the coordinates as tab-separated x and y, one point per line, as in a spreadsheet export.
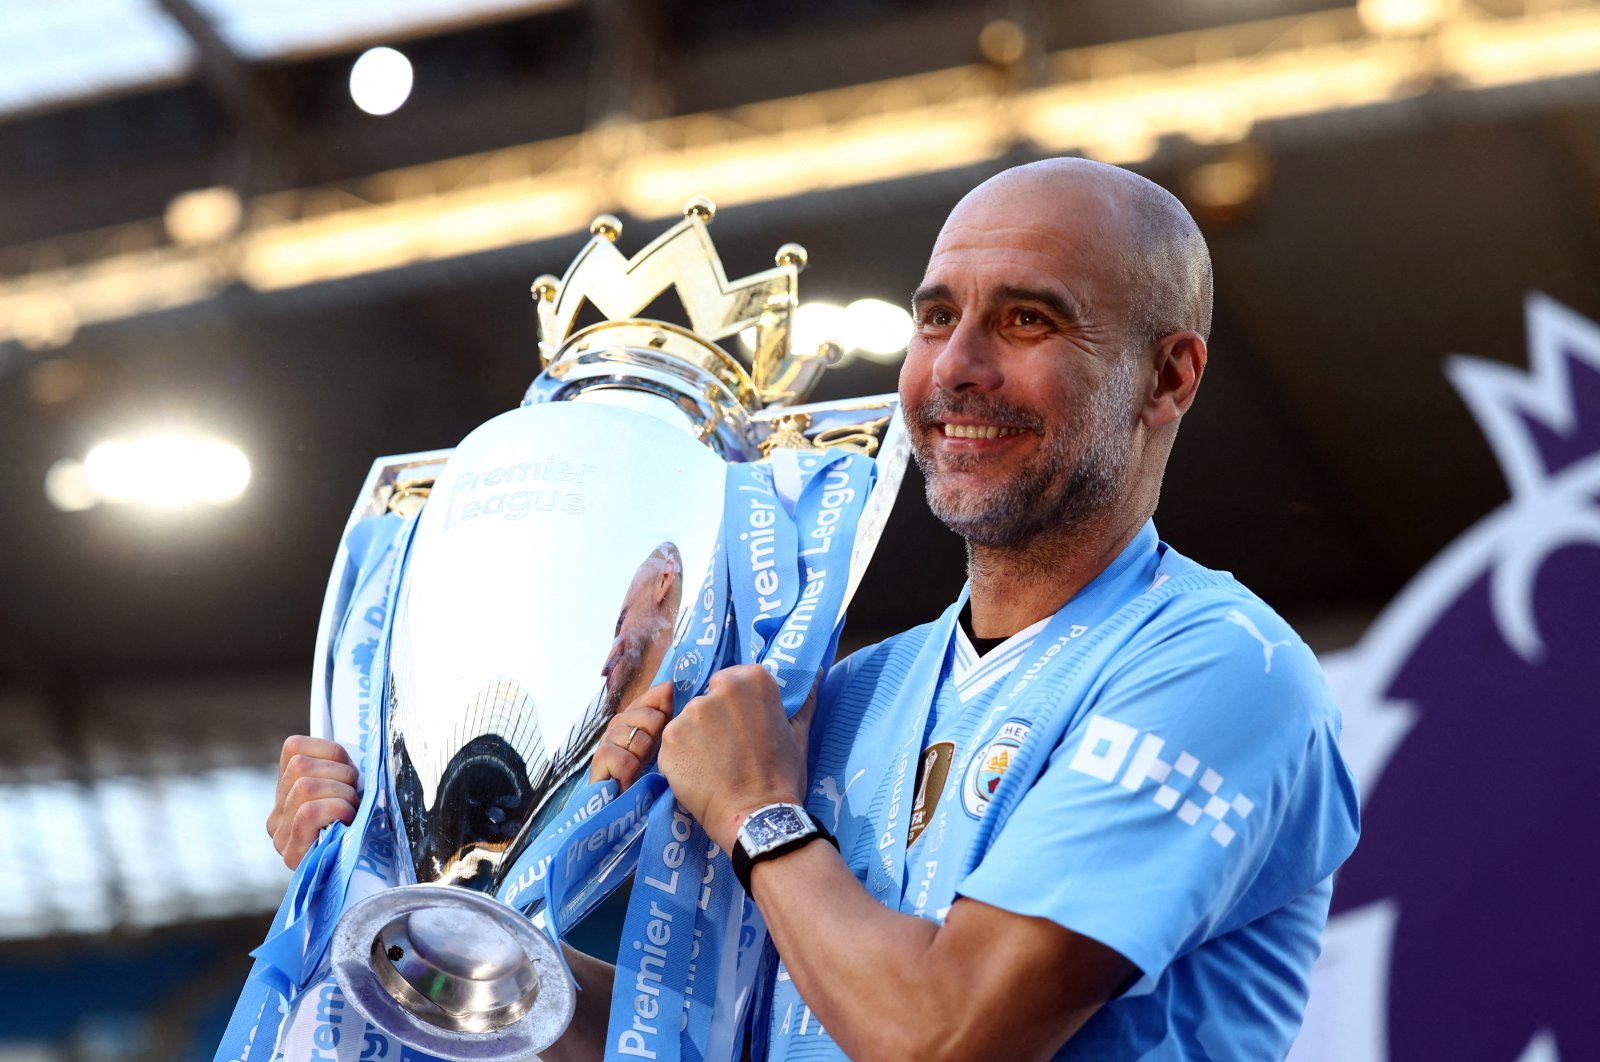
1019	385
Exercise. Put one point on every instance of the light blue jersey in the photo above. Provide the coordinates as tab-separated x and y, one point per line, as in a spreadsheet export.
1155	767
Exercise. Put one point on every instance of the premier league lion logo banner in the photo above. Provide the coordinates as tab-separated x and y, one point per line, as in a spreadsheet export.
1472	716
654	510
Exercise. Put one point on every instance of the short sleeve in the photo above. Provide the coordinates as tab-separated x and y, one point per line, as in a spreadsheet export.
1200	787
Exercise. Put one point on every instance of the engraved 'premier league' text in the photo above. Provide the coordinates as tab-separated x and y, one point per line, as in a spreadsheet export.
513	491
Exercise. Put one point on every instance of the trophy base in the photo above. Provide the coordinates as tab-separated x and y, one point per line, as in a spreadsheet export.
453	973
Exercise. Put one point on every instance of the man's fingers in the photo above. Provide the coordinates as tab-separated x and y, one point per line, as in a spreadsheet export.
613	762
309	789
316	748
298	832
649	722
307	757
800	722
307	779
629	742
301	766
637	741
657	698
301	769
808	710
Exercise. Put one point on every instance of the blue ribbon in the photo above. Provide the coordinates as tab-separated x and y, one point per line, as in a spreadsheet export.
787	565
285	962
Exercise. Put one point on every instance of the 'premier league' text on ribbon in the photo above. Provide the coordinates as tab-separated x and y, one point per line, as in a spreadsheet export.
763	518
836	494
793	636
638	1040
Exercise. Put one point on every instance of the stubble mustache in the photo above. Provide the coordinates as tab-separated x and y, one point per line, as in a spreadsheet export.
943	406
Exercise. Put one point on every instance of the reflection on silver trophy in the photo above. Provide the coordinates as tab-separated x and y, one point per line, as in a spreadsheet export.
461	816
554	573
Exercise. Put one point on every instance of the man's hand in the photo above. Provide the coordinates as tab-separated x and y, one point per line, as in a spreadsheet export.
316	785
731	751
632	737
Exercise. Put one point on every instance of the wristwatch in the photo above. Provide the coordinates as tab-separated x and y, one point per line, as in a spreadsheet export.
771	831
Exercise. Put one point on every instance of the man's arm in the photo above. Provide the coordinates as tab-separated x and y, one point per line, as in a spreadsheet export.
884	984
888	985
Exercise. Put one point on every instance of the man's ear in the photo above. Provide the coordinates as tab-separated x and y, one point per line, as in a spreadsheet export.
1180	361
664	585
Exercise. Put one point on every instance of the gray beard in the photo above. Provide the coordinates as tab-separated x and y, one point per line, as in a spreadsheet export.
1053	493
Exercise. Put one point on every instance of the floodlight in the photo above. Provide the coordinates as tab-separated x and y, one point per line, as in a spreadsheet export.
380	80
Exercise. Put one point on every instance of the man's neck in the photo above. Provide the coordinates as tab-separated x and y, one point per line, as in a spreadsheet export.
1015	587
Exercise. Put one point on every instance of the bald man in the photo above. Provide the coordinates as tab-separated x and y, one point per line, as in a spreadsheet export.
1093	811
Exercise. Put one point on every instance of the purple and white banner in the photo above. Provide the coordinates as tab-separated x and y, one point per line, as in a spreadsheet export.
1472	719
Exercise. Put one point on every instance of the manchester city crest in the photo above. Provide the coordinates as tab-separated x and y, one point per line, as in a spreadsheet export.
989	767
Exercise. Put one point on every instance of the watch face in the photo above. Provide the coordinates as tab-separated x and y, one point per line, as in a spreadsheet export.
772	826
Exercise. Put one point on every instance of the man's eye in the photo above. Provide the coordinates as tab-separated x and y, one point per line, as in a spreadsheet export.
1030	318
938	317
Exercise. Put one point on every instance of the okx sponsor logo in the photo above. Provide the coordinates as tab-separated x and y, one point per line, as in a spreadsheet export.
1120	754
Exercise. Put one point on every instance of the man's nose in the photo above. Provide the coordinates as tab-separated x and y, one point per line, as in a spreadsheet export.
969	360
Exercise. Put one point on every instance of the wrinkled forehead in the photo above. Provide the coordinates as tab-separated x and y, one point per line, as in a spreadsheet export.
1071	231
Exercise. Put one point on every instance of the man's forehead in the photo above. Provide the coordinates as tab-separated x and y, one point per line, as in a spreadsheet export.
986	262
1039	215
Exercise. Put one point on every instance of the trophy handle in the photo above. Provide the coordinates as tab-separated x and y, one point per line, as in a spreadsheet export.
398	484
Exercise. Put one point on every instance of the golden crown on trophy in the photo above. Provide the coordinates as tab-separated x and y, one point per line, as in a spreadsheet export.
684	258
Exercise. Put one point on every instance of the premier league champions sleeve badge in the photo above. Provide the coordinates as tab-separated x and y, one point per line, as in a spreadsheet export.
494	605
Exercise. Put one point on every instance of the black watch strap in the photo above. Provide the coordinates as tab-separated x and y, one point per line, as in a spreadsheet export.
743	862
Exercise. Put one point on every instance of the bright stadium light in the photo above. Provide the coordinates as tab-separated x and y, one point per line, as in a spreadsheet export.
67	486
1405	16
871	328
160	471
205	215
876	328
380	80
816	323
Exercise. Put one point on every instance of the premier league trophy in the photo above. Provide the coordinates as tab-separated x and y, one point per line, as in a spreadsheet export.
653	510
